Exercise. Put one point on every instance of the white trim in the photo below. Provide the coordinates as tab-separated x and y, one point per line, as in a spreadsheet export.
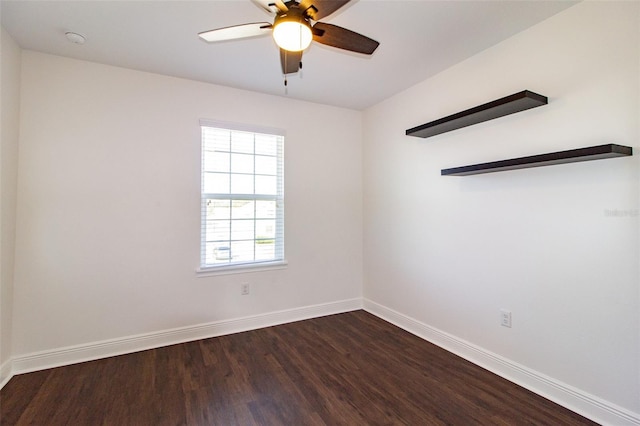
581	402
240	268
5	373
107	348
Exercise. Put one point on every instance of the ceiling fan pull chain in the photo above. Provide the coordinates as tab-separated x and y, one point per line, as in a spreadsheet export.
286	91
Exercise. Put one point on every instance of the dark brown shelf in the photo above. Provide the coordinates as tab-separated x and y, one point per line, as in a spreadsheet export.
508	105
561	157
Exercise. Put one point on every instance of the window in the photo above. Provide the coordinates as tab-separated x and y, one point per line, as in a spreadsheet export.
242	191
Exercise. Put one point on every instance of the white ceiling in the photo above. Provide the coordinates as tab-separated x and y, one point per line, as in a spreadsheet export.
417	40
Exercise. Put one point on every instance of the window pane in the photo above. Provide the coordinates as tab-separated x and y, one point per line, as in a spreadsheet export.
242	163
267	144
222	253
242	209
242	230
266	185
218	209
266	165
242	184
216	161
218	230
216	183
265	209
265	249
265	229
242	142
218	253
242	251
209	256
216	139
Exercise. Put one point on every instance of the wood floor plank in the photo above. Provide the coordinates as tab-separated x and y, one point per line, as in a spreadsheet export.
346	369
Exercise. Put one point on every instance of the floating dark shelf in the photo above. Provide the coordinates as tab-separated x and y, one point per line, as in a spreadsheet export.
561	157
498	108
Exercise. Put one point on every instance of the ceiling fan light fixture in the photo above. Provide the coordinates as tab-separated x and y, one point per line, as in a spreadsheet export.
293	35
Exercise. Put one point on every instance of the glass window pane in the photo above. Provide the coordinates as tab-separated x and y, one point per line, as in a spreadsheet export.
266	185
242	184
208	253
266	165
222	253
218	209
242	230
216	183
265	229
267	144
216	139
242	209
218	253
265	209
242	251
218	230
265	249
216	161
242	142
242	163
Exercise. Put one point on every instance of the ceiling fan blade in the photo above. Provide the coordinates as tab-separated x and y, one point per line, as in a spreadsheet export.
264	5
342	38
271	6
236	32
280	5
318	9
290	61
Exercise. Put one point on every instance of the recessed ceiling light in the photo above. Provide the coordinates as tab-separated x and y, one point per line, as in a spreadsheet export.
75	37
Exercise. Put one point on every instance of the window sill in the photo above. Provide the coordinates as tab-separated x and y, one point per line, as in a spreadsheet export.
240	269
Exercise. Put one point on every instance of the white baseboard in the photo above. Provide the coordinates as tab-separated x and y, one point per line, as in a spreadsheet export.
5	373
574	399
107	348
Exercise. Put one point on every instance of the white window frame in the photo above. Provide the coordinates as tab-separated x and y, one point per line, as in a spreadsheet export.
231	267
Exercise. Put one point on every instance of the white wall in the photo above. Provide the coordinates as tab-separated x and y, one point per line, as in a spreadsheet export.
9	125
109	210
450	252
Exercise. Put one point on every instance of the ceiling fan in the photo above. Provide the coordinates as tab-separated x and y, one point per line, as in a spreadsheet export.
293	30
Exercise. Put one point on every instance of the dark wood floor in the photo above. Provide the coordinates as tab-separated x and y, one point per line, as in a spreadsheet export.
346	369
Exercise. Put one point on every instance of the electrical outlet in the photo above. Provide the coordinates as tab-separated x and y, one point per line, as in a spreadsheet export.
505	318
245	289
